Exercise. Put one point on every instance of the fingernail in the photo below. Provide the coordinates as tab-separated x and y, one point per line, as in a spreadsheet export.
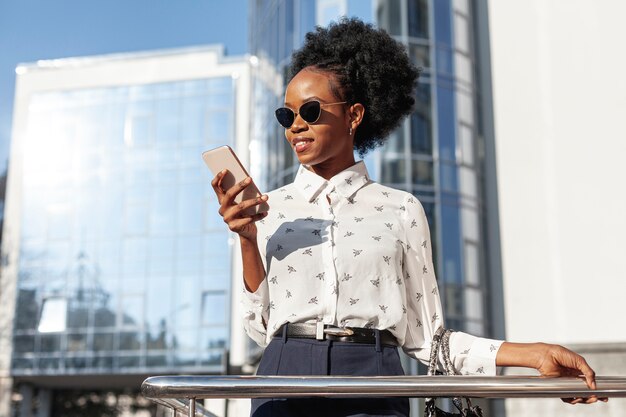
247	180
264	197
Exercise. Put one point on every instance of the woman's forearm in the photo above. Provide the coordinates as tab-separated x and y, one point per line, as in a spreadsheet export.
253	270
526	355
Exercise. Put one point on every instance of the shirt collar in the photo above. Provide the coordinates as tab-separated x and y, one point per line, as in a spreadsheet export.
346	183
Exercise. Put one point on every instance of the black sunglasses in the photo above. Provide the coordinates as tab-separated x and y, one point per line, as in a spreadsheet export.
309	111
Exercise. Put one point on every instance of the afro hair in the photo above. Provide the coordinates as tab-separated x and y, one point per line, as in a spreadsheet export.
370	67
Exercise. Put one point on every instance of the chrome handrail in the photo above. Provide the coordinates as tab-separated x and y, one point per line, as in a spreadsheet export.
195	387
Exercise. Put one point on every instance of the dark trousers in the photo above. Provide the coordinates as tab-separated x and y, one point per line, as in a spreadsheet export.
293	356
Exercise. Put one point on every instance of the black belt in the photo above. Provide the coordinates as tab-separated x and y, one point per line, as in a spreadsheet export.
337	334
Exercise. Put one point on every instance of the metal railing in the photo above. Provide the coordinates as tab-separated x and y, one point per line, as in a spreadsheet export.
181	392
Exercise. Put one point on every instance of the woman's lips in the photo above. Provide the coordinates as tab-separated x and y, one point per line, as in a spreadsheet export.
301	144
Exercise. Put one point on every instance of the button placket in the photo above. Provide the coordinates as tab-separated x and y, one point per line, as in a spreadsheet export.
333	289
328	302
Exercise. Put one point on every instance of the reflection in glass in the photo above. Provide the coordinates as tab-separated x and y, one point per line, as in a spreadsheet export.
77	362
50	343
131	310
420	55
49	364
76	342
103	362
103	342
23	344
53	315
214	307
213	338
129	341
184	339
393	171
422	172
185	359
156	339
115	228
156	360
27	313
212	358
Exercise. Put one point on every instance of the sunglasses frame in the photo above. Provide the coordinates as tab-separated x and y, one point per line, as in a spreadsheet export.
295	114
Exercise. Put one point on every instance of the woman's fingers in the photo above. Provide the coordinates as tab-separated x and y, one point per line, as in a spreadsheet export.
231	193
217	181
240	224
238	211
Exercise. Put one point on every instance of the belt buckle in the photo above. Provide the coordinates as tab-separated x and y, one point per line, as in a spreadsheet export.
339	331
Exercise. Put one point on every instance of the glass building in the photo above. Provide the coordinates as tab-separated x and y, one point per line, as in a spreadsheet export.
118	260
438	152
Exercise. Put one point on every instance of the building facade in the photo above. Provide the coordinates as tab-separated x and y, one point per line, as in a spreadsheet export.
116	264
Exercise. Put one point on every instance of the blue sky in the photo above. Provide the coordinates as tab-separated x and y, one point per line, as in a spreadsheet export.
45	29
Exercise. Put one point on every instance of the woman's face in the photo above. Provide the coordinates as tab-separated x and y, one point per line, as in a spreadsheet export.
326	145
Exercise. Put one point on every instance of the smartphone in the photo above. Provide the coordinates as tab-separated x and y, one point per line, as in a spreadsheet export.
224	157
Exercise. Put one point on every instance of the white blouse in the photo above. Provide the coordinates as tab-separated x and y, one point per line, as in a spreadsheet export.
353	253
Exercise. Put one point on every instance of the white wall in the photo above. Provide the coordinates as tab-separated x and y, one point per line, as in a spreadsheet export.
559	88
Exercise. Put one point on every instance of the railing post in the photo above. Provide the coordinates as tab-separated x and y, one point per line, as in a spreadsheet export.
192	407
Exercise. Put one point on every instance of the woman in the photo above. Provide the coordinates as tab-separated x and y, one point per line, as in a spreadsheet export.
339	272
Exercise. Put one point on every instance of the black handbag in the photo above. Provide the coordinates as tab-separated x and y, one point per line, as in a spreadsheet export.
441	340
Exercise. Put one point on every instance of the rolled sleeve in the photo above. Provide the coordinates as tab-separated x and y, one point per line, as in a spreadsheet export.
254	318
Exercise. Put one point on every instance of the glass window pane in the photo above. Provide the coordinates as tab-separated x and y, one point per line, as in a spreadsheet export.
190	208
103	342
422	172
461	33
76	342
473	303
167	121
420	55
467	144
393	171
218	127
23	344
470	224
463	67
472	266
213	338
164	210
131	310
50	342
421	122
468	182
192	120
130	341
53	315
389	16
418	18
214	306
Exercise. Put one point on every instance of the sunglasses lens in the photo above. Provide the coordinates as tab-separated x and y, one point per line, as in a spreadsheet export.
310	111
285	117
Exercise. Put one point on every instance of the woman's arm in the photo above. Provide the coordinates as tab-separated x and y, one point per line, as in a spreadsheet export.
244	226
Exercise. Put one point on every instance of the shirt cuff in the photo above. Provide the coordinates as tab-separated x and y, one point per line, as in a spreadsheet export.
257	297
474	355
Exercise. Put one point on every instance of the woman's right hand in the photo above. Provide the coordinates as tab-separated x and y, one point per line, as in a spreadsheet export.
234	214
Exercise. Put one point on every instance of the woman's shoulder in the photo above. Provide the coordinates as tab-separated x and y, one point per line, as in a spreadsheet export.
401	196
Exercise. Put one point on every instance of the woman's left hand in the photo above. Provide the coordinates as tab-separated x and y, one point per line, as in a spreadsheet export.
555	360
549	360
